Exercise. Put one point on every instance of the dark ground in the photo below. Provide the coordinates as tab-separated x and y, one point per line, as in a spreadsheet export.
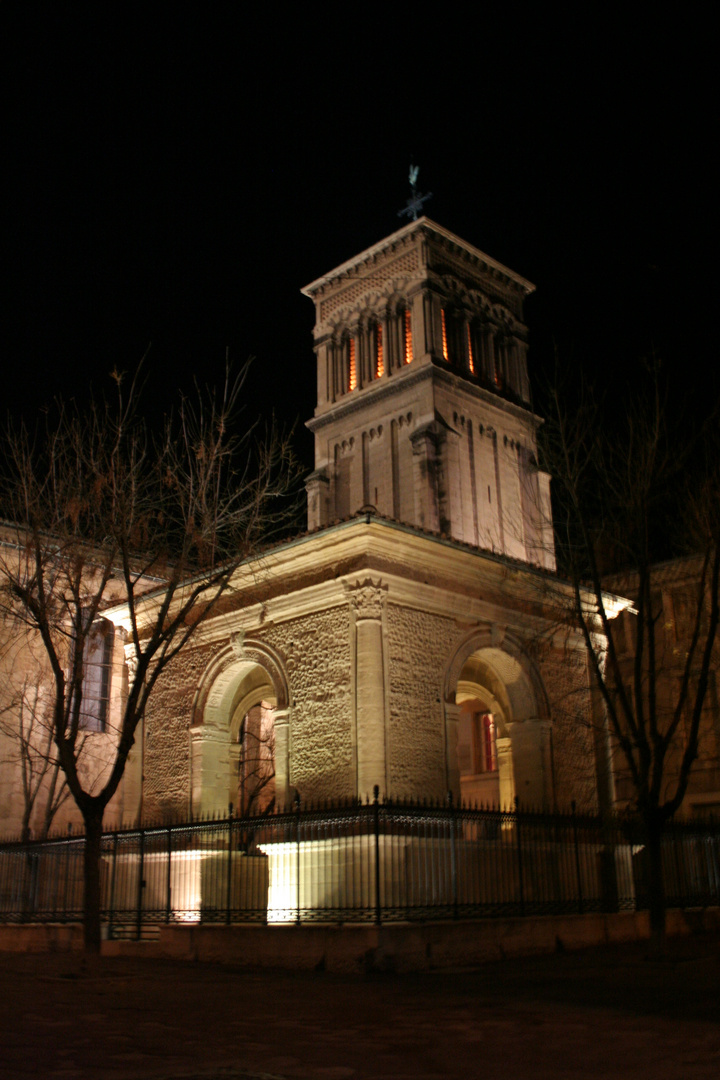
604	1013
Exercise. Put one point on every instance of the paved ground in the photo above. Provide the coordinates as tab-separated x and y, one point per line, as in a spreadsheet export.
608	1013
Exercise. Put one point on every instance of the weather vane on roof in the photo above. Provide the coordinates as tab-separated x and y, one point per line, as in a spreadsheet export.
415	202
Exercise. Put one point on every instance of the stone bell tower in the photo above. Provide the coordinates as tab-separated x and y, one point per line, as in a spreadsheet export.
423	397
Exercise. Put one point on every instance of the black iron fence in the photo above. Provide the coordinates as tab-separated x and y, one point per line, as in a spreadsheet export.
358	862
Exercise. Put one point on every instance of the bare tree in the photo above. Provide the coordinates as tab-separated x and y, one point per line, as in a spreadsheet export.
632	487
256	761
104	512
31	753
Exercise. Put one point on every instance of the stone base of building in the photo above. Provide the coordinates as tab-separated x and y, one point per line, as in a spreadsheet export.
360	948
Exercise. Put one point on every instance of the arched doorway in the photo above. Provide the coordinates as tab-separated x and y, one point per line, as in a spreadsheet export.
482	732
498	733
239	740
253	748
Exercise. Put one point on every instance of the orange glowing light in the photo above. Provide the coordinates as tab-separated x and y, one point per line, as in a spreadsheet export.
352	376
379	361
444	336
408	337
471	362
497	374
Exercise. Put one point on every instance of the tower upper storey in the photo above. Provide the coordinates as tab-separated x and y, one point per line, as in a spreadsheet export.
420	296
423	395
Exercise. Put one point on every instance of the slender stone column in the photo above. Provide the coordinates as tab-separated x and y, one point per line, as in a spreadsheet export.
367	600
452	774
281	722
506	776
196	746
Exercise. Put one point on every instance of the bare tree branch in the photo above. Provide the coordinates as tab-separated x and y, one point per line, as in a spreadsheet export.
102	515
623	476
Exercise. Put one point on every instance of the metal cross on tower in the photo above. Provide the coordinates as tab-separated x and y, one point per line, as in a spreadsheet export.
415	202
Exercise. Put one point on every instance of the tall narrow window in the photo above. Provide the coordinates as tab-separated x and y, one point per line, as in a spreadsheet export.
352	365
407	324
445	351
97	669
379	359
498	355
471	358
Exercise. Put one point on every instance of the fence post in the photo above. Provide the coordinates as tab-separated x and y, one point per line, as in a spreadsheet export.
111	898
168	881
521	883
228	898
66	882
140	887
453	855
297	857
581	905
376	824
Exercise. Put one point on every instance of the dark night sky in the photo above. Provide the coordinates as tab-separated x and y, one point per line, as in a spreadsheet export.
177	171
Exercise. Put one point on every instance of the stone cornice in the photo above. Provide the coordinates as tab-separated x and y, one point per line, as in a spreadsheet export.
358	400
309	574
376	391
423	227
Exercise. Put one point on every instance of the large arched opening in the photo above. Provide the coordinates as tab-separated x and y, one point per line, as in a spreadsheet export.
239	737
498	731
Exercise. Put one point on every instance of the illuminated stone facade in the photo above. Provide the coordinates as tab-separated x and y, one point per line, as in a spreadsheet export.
409	640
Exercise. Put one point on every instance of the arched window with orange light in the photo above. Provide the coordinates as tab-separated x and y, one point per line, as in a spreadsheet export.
454	337
407	336
348	353
378	351
477	748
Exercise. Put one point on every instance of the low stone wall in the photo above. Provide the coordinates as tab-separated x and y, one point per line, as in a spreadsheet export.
41	937
360	948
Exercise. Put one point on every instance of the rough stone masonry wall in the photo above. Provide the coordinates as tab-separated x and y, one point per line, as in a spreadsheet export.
419	645
564	674
316	652
167	736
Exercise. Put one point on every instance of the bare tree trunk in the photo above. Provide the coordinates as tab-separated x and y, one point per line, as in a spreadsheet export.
656	888
25	827
93	817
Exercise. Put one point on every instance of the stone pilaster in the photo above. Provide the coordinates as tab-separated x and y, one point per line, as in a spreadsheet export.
317	486
531	750
426	463
367	600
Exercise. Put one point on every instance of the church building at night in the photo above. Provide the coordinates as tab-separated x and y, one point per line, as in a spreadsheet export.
409	638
